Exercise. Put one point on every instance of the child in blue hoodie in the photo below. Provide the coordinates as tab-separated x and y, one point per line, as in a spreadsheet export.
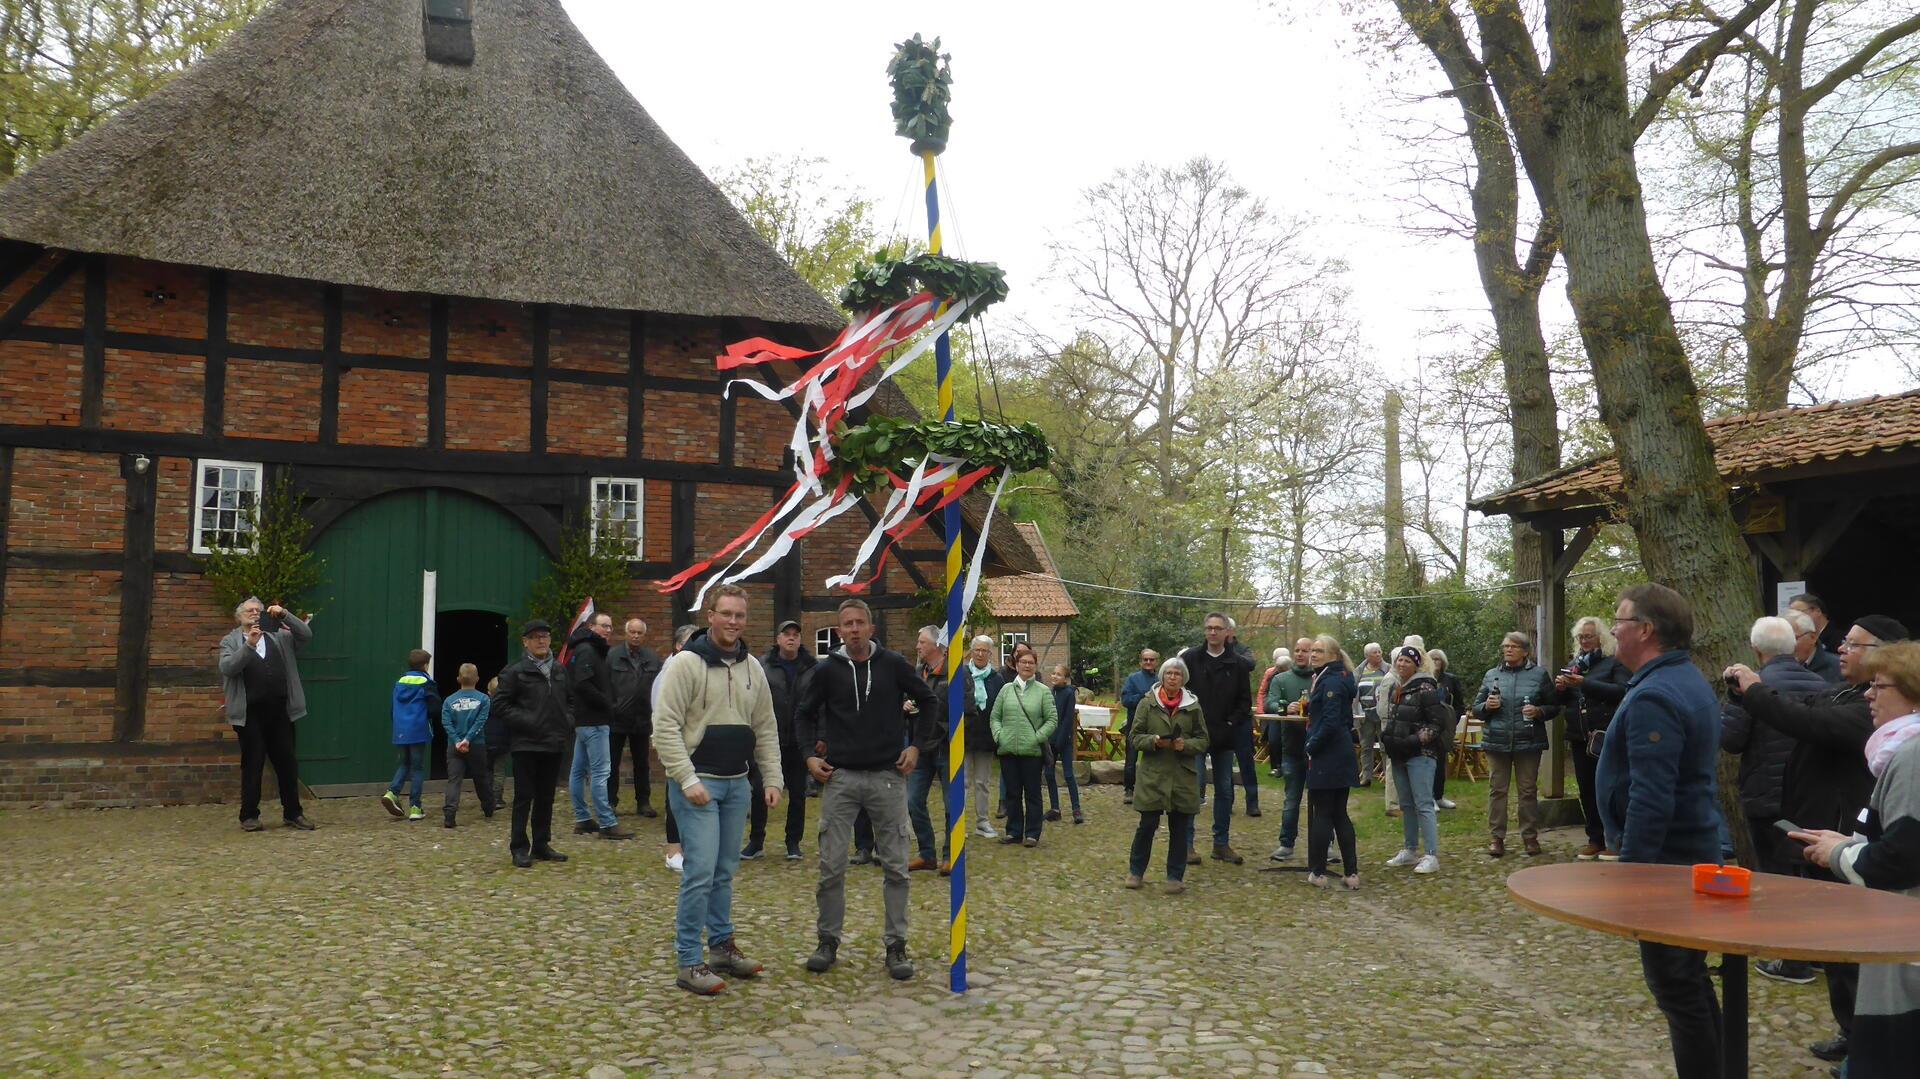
415	699
464	718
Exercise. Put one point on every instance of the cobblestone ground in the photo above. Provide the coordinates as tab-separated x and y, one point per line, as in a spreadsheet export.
166	940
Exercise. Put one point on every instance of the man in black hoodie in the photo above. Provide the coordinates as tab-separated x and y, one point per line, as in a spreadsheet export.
1220	676
530	699
1827	781
590	687
855	704
787	665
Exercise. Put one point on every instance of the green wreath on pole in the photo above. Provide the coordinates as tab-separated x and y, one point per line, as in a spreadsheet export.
868	451
882	282
922	87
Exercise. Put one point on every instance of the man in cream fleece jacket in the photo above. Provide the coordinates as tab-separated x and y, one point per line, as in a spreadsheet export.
713	715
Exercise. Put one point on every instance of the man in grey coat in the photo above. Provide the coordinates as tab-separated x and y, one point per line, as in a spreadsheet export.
264	700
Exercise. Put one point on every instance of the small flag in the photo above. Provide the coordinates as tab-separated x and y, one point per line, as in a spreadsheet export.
581	619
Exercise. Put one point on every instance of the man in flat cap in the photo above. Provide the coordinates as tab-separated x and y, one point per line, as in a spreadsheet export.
531	699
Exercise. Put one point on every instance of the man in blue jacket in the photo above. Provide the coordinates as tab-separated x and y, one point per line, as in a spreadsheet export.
1656	796
1132	692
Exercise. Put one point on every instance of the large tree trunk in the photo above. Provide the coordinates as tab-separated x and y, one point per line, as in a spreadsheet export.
1674	497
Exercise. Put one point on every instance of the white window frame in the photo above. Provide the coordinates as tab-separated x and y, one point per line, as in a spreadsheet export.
596	498
1007	643
825	640
200	531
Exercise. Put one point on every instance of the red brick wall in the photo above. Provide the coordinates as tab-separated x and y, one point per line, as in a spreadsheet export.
40	384
590	420
681	427
197	773
65	500
679	347
42	714
383	408
580	339
273	400
275	311
173	504
487	414
156	298
481	331
147	391
385	323
61	618
67	307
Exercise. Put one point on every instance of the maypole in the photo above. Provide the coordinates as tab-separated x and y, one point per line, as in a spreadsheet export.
920	93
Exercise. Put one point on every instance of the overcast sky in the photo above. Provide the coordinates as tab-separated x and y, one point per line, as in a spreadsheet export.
1050	98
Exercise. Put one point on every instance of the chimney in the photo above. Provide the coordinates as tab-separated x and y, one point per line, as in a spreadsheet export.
448	27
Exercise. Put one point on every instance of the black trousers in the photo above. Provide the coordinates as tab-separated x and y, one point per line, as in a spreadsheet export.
1678	980
475	765
1584	764
1179	826
268	737
535	775
1327	819
793	772
1024	812
638	742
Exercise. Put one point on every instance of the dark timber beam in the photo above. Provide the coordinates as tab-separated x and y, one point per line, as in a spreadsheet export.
48	284
1549	652
93	343
213	406
136	602
330	372
437	374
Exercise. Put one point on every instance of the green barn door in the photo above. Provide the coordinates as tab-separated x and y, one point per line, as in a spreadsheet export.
370	613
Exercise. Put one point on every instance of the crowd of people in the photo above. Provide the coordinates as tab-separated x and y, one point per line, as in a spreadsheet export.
1823	720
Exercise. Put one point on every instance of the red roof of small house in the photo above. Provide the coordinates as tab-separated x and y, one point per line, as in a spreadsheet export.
1030	595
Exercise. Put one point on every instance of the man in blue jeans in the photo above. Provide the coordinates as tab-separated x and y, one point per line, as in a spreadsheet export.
1137	686
590	686
713	717
931	771
1655	781
1221	676
1284	693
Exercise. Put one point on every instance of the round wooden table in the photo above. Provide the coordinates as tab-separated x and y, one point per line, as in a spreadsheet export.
1784	918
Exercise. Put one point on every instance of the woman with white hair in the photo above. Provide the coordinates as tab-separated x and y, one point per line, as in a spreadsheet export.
1170	734
1591	688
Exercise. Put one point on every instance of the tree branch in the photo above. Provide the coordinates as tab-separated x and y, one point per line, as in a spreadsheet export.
1829	218
1703	53
1859	60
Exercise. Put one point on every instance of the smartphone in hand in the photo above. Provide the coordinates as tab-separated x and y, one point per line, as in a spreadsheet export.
1787	827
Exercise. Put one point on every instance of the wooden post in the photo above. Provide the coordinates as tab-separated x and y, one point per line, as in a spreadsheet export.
1548	651
136	599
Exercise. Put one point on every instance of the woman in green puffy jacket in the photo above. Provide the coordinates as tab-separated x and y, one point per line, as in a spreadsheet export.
1170	735
1023	721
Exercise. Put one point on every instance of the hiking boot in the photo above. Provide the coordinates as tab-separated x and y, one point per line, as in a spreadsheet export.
1224	853
1588	853
391	801
1173	887
252	824
615	832
946	867
1429	864
725	958
1786	970
699	980
1053	814
1134	882
753	853
1497	848
416	813
648	811
1253	811
898	965
1030	841
920	865
1405	857
1833	1049
1533	848
1281	854
585	827
823	957
1193	856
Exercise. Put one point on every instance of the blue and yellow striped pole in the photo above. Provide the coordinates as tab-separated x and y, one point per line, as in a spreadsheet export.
956	645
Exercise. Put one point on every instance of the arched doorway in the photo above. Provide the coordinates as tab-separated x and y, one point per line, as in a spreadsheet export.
374	608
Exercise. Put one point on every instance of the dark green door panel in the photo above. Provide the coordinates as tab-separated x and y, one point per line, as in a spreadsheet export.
370	613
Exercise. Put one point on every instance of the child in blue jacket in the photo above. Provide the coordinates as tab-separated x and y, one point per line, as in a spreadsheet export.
415	700
464	717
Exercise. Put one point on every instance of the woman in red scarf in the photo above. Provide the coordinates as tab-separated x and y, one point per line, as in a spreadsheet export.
1170	734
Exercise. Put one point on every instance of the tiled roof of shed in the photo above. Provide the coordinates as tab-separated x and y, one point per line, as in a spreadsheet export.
1030	595
1749	448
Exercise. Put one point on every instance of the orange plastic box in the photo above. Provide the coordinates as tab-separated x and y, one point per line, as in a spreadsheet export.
1722	880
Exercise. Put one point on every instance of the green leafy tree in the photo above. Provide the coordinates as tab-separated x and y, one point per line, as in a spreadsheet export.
279	568
588	565
67	65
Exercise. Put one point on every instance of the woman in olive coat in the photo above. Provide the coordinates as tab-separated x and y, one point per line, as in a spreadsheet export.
1170	734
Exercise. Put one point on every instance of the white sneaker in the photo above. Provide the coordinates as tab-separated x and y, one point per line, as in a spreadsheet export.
986	831
1447	803
677	863
1429	864
1405	857
1281	854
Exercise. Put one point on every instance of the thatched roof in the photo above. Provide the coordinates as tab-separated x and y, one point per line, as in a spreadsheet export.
321	143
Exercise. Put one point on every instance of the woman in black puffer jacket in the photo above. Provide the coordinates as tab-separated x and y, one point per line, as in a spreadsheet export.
1591	688
1417	713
